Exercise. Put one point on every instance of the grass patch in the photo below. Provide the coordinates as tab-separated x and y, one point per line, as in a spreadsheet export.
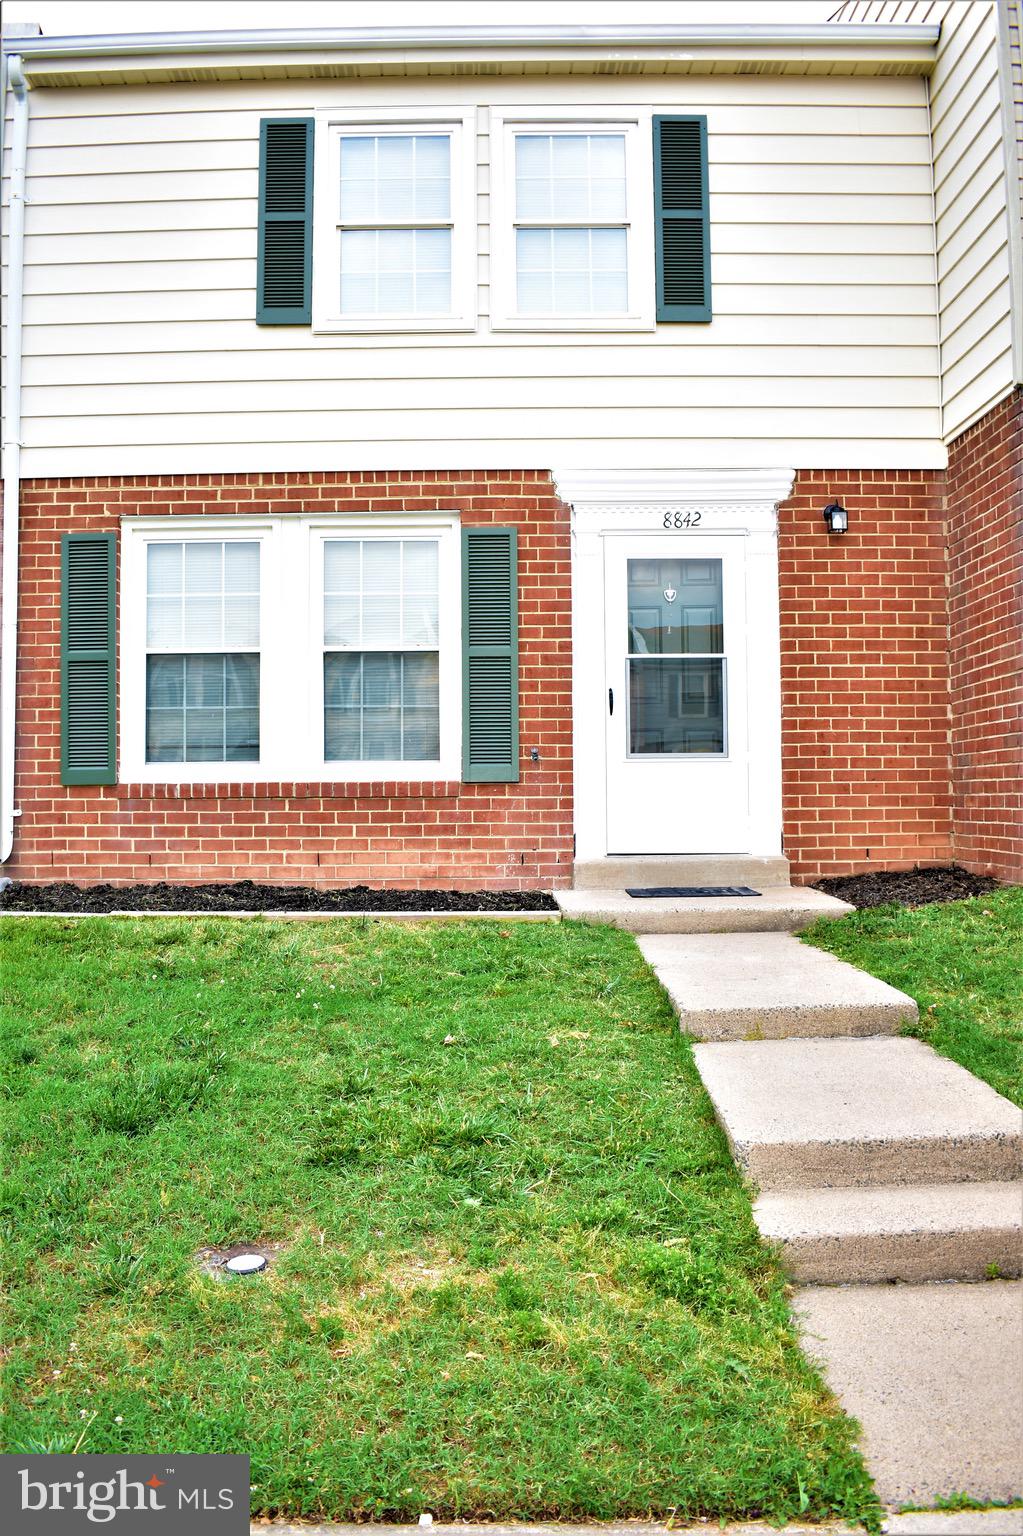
515	1273
961	962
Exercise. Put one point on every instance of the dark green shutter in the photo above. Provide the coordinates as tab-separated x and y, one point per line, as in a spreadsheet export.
490	656
88	685
284	269
682	233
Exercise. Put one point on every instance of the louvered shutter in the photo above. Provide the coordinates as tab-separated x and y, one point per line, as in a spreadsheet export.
682	235
87	659
490	656
284	269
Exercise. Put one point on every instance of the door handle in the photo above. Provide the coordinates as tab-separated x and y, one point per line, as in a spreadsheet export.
610	701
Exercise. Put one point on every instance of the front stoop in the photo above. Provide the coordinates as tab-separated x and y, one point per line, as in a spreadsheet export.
934	1374
778	909
819	1113
760	986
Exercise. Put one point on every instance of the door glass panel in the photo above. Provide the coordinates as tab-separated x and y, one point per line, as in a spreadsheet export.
676	706
675	608
675	657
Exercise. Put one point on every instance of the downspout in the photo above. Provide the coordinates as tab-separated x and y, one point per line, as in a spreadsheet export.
16	82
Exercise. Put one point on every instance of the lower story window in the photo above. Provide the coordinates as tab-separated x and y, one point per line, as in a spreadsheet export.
381	706
292	648
381	676
202	661
202	709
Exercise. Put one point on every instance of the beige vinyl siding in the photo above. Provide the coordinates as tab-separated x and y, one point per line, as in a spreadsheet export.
143	356
971	206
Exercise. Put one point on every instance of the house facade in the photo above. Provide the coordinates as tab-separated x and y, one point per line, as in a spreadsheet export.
418	451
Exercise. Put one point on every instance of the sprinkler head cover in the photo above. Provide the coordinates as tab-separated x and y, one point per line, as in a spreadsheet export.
246	1264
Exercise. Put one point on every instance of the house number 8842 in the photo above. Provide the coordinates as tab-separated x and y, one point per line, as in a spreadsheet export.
681	519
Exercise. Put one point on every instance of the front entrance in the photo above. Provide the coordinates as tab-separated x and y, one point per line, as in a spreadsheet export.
676	688
677	727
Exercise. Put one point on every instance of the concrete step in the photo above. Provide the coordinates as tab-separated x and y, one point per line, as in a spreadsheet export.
909	1232
769	986
622	870
934	1374
810	1113
779	909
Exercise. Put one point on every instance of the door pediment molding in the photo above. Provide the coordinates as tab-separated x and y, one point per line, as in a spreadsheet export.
628	489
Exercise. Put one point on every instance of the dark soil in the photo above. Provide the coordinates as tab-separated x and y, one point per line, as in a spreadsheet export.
246	896
907	887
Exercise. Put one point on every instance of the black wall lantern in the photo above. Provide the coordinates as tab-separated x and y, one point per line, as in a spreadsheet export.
836	518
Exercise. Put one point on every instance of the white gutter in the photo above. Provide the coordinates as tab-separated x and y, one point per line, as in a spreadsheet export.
410	39
15	80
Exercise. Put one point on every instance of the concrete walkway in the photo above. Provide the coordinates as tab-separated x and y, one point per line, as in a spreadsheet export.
934	1373
739	986
876	1160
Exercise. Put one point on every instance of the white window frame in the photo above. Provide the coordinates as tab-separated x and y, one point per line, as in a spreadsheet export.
449	647
331	124
637	125
290	649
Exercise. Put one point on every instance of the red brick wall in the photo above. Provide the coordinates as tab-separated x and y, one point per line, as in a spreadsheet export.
491	836
865	678
865	748
985	531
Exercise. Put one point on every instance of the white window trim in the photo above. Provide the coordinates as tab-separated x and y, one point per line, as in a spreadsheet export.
637	125
290	649
330	124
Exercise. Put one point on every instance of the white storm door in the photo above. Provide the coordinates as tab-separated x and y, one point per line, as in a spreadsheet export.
676	706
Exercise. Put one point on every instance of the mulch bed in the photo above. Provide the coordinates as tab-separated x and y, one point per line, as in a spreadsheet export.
907	887
247	896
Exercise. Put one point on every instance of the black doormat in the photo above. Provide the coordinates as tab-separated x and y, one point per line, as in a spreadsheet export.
692	890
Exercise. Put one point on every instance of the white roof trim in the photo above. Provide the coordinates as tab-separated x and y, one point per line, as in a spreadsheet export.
827	39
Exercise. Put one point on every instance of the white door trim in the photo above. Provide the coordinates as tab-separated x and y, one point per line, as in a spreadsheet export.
728	501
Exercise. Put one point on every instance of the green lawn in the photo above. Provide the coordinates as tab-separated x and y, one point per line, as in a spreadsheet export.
963	963
518	1274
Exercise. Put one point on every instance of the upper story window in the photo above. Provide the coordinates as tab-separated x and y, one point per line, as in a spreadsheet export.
571	226
594	220
395	226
